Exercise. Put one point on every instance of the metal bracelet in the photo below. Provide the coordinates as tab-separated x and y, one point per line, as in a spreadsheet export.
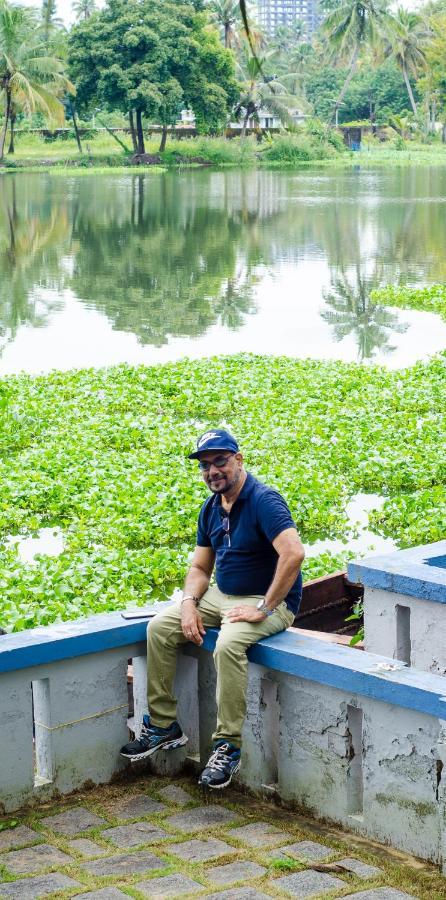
191	597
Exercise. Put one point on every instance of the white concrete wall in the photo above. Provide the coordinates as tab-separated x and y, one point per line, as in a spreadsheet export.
326	729
406	628
80	723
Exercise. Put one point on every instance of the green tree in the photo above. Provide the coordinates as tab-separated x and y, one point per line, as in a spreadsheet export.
353	26
433	82
83	9
30	80
152	58
407	39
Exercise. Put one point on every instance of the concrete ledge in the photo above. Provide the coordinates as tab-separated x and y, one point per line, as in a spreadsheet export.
306	657
69	639
418	572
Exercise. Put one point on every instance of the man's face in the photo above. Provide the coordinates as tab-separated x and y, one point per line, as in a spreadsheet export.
221	470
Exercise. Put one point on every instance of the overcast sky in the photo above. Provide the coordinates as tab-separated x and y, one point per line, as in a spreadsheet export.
64	10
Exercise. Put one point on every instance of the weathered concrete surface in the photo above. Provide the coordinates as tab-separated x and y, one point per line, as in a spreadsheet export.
388	630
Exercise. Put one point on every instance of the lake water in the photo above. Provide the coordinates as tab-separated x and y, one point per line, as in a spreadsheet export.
97	270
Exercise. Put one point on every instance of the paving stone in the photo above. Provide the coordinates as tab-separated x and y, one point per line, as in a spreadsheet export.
140	805
88	848
34	859
382	893
260	834
236	871
200	851
362	870
308	850
108	893
201	817
132	835
307	883
18	837
32	888
175	794
169	886
124	864
73	821
246	893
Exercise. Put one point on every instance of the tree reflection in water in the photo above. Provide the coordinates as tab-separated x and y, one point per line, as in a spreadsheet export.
173	267
30	240
351	312
171	255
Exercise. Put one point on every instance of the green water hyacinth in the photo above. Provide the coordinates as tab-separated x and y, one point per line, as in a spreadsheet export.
102	455
429	299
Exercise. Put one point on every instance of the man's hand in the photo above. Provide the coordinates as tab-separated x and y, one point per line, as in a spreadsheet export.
191	622
245	613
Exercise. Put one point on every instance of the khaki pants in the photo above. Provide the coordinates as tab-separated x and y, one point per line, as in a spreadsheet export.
164	635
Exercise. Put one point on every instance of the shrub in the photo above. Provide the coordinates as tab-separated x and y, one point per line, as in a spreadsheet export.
302	148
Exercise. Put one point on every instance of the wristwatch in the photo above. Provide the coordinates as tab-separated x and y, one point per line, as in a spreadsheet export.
263	608
190	597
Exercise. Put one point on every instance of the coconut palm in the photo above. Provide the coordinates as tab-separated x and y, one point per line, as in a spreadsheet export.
406	42
83	9
50	21
30	80
354	24
226	15
258	90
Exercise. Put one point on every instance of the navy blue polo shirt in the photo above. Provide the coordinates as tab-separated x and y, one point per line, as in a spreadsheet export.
248	565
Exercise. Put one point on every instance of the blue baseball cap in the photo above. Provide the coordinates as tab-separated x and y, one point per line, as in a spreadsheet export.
218	439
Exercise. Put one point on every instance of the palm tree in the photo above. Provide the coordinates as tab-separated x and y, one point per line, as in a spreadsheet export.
29	79
226	14
406	40
258	90
50	21
352	26
84	9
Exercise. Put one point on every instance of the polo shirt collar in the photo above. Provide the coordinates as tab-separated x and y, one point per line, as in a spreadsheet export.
244	493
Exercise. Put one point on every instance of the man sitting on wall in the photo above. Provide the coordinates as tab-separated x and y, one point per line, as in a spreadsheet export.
245	529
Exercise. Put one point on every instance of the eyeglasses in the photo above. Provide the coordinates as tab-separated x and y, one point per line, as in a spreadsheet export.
219	461
226	536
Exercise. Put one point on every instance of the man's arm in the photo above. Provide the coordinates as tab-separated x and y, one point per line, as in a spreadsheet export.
195	585
291	554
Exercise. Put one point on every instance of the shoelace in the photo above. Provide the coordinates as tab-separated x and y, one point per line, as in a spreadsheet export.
148	730
219	758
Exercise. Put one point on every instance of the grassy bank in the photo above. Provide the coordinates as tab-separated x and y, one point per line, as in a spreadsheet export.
101	455
101	152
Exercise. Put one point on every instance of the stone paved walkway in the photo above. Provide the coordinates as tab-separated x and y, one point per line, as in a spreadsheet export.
156	838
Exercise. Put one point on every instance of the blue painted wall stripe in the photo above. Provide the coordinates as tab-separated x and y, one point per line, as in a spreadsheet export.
412	572
340	667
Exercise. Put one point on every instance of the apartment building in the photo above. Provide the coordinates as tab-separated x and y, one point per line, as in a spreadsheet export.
273	13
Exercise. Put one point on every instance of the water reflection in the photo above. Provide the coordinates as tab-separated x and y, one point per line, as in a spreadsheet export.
29	259
351	312
168	267
203	262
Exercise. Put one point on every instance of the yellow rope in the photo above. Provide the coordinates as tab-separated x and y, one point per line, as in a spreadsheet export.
84	718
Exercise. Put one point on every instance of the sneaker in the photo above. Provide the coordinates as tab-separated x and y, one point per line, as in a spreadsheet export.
153	738
223	763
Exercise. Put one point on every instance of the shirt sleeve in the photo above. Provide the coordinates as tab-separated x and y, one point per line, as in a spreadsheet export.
203	539
273	515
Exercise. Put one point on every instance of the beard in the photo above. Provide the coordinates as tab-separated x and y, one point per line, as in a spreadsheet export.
223	484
